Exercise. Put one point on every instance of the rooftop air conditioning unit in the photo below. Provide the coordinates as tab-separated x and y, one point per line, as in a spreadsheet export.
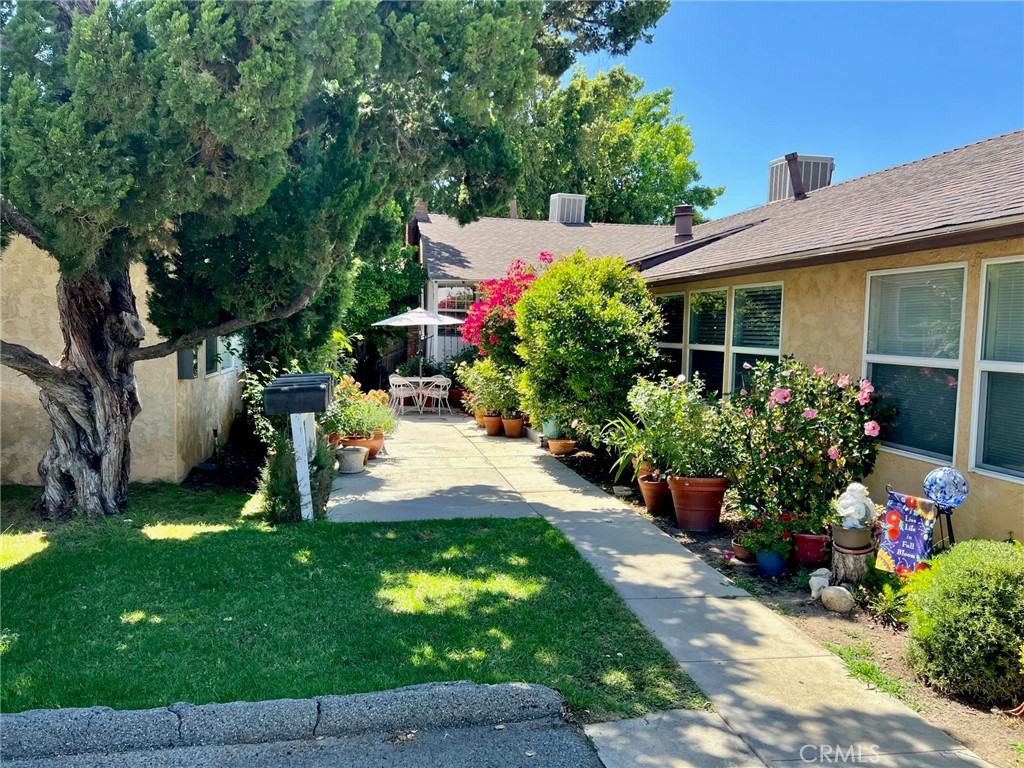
566	208
815	171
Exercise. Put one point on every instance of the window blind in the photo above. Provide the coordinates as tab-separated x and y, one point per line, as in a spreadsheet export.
672	313
1002	446
916	314
926	402
707	317
757	318
710	366
1004	313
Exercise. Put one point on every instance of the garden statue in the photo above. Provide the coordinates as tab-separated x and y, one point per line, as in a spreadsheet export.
855	507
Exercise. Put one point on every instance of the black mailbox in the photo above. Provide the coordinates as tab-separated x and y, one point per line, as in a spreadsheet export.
298	393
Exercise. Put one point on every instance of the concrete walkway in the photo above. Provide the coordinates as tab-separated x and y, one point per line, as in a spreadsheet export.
788	699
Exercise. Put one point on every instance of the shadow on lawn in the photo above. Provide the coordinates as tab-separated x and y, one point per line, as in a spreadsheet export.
199	603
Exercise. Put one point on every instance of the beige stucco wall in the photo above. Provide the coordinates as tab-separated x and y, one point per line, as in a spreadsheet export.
823	316
204	404
28	315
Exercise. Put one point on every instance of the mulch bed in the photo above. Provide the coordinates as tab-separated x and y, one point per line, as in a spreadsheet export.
236	465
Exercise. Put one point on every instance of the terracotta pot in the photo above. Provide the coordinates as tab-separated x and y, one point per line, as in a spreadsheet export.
741	552
560	446
654	491
852	538
810	547
479	416
697	501
642	467
371	444
493	425
513	427
334	440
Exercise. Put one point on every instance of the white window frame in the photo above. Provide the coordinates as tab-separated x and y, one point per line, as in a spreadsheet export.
681	345
207	374
222	351
733	350
921	362
723	348
982	367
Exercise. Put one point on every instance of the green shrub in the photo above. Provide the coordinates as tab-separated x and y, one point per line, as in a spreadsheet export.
967	622
279	485
358	417
589	327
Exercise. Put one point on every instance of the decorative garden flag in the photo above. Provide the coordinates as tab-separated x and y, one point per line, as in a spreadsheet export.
906	534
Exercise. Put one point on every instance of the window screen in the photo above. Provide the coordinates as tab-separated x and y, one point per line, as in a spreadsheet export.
757	320
1004	313
925	399
916	314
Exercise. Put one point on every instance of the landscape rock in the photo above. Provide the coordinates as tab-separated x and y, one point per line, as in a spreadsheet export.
837	599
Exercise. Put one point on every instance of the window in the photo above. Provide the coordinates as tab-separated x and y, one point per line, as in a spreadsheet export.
912	353
454	301
708	315
670	345
1000	392
756	328
210	355
221	354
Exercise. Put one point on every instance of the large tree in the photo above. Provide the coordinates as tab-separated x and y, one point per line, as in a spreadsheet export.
236	148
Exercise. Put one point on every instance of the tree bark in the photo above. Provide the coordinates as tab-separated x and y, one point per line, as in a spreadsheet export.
91	397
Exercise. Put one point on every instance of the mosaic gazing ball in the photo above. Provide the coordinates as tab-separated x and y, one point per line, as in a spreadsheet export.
946	487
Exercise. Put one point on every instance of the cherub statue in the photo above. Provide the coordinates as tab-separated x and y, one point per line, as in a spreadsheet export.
854	506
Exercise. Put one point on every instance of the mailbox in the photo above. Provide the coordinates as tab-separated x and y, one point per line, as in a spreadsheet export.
298	393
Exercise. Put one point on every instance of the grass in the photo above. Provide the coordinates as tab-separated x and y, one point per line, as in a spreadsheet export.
190	597
859	660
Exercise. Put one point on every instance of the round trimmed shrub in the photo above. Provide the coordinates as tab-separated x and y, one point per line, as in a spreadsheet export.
967	622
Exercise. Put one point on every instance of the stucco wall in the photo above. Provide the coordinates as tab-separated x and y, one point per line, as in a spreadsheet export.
204	404
823	315
28	315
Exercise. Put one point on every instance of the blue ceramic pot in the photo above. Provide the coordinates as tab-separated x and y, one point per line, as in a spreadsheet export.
551	429
770	563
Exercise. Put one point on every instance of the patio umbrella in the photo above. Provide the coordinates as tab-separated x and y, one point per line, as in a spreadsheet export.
417	317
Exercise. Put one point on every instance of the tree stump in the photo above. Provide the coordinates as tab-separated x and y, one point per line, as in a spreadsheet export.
849	567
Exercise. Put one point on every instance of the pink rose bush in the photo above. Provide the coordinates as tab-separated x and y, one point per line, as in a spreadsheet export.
803	436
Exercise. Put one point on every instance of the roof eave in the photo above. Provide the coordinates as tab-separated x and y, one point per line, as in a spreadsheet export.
944	237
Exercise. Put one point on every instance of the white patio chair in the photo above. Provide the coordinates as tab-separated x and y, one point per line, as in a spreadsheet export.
436	389
399	388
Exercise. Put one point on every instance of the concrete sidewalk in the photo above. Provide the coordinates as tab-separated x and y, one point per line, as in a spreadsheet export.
789	699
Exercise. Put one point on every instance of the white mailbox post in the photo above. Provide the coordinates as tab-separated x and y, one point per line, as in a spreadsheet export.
300	396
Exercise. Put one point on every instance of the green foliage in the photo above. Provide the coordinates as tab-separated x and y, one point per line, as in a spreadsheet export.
802	438
588	328
359	417
419	366
882	595
279	488
967	622
859	660
493	388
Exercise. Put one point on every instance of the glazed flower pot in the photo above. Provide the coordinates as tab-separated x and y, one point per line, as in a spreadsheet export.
770	563
654	491
697	501
810	547
741	552
551	429
561	446
852	538
371	444
513	427
493	425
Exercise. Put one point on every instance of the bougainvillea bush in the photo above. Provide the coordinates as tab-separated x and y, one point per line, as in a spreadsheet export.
491	322
588	328
802	435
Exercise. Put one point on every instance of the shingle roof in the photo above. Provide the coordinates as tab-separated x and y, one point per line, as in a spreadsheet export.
484	249
980	182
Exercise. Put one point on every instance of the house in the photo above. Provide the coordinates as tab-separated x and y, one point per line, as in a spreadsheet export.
912	277
185	399
457	258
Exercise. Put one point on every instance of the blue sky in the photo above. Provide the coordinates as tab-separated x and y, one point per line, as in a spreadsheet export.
872	84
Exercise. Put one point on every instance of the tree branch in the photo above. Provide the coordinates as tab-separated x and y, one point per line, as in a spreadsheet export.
35	366
224	329
20	223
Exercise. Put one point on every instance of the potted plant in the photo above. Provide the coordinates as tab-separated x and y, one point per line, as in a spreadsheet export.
699	456
362	422
852	517
509	405
770	539
490	387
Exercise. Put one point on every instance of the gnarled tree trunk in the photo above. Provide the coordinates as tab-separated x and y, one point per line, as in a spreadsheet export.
90	397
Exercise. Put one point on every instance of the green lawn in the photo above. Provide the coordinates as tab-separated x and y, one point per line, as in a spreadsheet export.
191	598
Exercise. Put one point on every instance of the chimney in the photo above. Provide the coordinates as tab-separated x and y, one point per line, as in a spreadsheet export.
513	208
683	215
566	208
421	209
808	172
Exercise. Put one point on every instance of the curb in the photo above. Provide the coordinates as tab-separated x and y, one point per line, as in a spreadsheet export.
57	732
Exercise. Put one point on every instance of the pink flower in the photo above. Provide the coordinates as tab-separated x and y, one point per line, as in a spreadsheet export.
546	257
778	427
950	381
863	397
780	395
811	413
743	391
763	454
866	386
844	381
871	428
747	366
819	371
748	411
728	556
833	453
